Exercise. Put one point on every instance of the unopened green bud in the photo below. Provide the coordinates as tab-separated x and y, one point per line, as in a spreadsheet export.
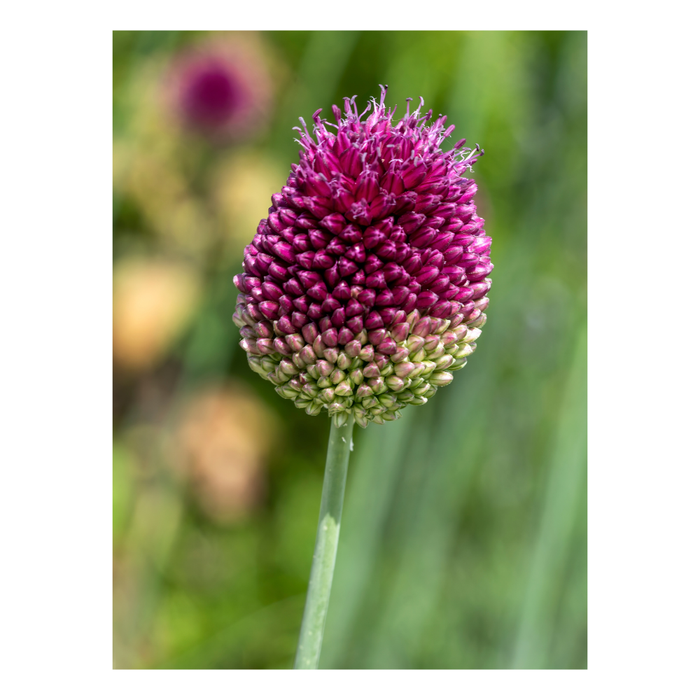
314	408
308	355
367	353
449	338
418	401
360	417
340	419
364	391
394	383
353	348
418	355
387	400
401	355
403	369
443	326
325	368
327	395
331	355
458	364
444	362
472	335
431	342
267	364
479	321
438	351
310	390
417	370
343	361
377	385
295	341
357	376
421	390
387	369
428	368
343	389
275	378
464	349
414	343
288	368
460	331
337	376
286	392
441	378
298	361
318	346
371	370
254	364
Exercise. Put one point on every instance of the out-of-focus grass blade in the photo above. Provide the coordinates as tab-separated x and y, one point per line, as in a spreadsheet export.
447	462
565	488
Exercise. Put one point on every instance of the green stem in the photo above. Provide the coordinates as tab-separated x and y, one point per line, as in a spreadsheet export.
319	593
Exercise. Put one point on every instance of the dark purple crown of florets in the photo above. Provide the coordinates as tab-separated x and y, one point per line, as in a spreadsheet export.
365	287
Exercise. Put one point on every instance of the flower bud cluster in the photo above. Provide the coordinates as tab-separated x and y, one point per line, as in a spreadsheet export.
364	289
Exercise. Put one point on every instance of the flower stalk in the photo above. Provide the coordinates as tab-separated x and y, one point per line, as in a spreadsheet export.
321	579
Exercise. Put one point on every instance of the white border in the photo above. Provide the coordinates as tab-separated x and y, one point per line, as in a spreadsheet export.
56	355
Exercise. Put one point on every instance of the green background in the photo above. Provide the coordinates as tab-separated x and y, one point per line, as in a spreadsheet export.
463	542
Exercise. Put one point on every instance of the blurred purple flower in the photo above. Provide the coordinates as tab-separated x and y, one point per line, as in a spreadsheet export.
365	287
220	90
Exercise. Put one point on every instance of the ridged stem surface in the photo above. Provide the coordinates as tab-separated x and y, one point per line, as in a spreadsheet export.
319	592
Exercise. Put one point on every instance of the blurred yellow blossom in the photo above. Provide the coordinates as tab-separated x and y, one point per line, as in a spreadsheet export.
153	300
241	189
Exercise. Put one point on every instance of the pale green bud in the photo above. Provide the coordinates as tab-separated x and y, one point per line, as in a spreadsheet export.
343	361
444	362
331	355
394	383
441	378
337	376
357	376
343	389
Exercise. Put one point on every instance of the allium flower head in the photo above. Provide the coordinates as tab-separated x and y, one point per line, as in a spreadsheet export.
364	289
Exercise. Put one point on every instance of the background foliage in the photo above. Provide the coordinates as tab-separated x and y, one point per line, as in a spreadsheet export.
464	533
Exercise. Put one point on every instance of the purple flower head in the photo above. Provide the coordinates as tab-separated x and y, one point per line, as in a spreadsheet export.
220	90
210	94
364	289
